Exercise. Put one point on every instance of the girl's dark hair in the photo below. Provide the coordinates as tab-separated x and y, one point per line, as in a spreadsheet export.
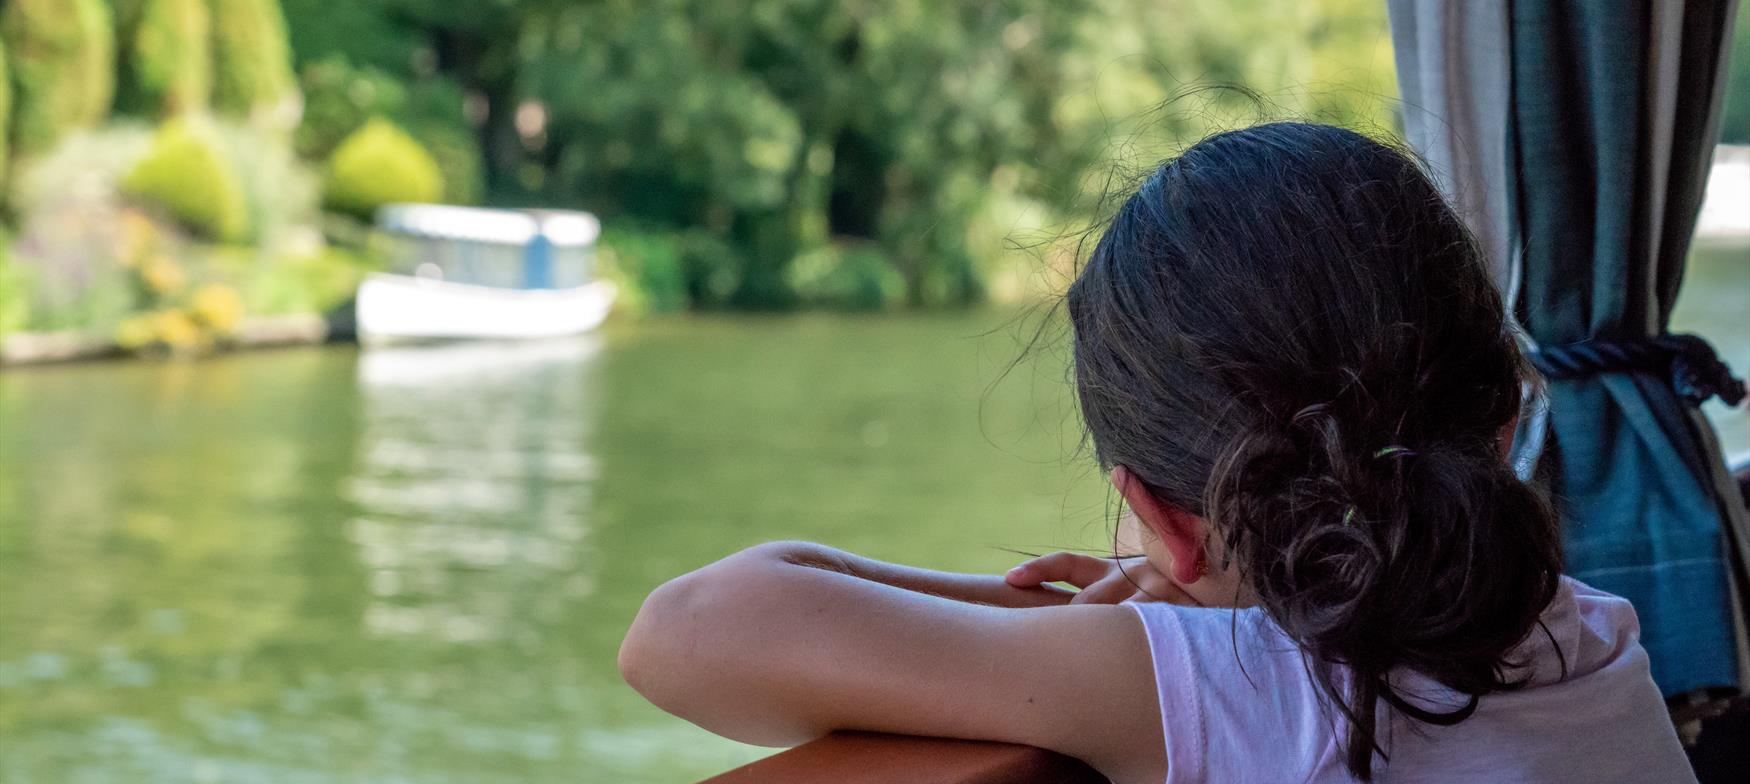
1287	331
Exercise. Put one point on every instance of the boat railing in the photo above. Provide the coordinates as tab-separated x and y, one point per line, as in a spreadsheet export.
874	758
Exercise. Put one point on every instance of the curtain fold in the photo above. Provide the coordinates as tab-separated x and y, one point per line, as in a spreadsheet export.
1608	118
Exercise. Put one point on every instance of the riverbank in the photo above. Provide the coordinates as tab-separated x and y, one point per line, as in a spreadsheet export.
1713	298
42	348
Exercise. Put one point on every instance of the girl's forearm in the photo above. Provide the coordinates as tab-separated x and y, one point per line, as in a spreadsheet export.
746	647
985	589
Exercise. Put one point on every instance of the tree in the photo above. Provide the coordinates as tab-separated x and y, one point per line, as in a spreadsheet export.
760	132
61	54
252	60
5	118
167	62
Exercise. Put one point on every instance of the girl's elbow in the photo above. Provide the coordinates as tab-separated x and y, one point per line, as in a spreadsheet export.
695	617
650	656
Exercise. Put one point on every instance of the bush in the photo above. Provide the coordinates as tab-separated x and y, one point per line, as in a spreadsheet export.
14	291
282	192
338	99
72	228
853	278
168	62
380	164
648	268
62	54
252	59
315	282
188	173
713	269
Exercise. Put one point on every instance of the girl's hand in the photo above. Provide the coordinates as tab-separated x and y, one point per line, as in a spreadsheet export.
1101	580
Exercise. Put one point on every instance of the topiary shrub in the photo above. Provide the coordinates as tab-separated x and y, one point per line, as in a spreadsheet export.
62	57
5	120
168	62
379	164
187	173
252	60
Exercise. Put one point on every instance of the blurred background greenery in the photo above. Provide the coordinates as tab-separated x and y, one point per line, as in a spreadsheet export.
794	153
329	564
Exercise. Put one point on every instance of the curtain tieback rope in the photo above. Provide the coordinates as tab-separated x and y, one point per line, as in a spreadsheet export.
1694	369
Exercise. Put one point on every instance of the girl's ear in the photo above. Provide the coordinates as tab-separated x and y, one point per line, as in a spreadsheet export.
1180	531
1504	440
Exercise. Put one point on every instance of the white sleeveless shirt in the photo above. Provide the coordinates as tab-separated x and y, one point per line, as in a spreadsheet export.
1238	705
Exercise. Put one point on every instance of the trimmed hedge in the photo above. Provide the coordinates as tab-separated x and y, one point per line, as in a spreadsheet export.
5	118
169	64
62	57
252	58
379	164
188	174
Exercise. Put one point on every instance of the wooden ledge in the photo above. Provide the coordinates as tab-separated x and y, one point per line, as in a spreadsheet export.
872	758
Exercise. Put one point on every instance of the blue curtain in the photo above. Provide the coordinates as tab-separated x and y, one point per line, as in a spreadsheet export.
1575	136
1610	129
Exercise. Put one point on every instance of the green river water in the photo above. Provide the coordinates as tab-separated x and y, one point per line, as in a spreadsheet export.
415	565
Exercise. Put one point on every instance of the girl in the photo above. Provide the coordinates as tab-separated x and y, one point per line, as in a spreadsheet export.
1290	358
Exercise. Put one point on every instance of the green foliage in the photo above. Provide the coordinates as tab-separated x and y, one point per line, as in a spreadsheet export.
167	63
188	173
282	191
380	164
312	282
338	99
5	119
1735	122
14	291
458	160
368	33
781	125
252	59
858	277
647	265
62	55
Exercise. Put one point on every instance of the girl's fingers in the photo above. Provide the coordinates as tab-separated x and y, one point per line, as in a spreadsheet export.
1078	570
1112	590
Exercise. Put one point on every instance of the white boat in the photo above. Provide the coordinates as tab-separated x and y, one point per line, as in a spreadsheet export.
468	273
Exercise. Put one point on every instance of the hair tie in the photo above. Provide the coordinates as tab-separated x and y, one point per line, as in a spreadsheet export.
1395	451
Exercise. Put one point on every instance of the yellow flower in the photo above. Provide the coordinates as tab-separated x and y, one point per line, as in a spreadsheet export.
136	332
218	306
162	275
135	236
176	330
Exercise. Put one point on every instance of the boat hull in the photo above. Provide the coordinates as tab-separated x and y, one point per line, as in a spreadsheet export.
401	308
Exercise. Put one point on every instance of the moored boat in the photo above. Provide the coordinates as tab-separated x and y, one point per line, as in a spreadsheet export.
465	272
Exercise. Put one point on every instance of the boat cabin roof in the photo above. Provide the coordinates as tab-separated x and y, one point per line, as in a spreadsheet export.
562	228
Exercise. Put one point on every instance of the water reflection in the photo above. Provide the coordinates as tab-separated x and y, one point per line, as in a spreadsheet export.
315	566
473	484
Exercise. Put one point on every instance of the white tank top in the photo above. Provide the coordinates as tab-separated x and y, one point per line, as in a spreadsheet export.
1237	705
